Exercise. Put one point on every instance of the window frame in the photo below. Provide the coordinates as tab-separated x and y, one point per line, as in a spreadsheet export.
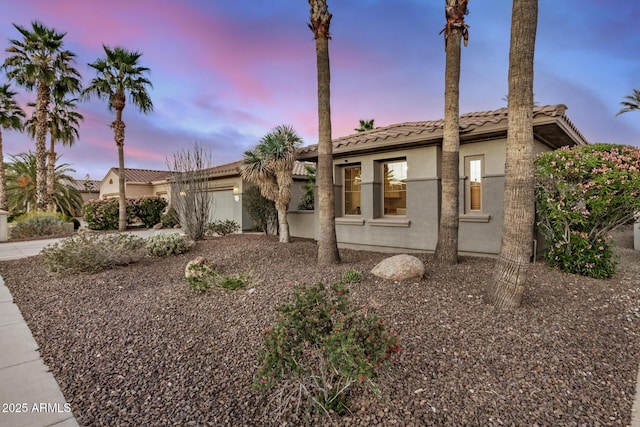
382	164
467	184
344	189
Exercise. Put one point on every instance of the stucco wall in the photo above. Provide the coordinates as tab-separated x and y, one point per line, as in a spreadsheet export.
636	235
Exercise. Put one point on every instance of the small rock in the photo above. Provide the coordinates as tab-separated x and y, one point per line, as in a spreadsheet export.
158	226
399	267
197	267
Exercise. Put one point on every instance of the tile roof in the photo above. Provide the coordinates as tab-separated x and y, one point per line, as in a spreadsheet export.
143	175
426	129
233	169
83	184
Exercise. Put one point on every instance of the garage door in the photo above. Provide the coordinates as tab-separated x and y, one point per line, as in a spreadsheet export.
223	206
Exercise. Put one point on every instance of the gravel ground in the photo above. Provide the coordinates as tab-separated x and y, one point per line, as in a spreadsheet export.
136	346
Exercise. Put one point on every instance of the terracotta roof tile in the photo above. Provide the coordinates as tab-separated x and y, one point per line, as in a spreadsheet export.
468	122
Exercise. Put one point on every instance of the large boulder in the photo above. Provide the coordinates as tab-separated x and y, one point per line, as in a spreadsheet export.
199	266
399	267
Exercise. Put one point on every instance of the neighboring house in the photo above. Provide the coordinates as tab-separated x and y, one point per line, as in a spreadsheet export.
89	189
226	187
387	181
138	183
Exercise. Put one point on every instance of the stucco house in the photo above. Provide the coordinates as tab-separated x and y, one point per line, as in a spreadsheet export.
138	183
226	188
387	181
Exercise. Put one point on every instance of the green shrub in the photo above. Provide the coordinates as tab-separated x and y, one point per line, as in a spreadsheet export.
170	218
222	227
352	276
166	244
90	253
102	214
321	349
39	224
149	209
583	193
262	211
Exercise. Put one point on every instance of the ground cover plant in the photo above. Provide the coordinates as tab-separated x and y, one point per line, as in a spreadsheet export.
145	349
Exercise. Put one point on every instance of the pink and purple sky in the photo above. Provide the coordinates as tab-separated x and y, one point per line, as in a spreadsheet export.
227	72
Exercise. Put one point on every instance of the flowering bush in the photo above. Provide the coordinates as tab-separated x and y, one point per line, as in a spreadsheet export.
104	214
148	209
583	193
321	349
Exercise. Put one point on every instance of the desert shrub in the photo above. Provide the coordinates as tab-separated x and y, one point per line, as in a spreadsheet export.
261	210
149	209
170	218
101	214
582	194
321	349
307	200
39	224
166	244
205	278
90	253
352	276
222	227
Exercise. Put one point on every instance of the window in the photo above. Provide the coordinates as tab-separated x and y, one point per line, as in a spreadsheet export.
395	188
352	192
473	170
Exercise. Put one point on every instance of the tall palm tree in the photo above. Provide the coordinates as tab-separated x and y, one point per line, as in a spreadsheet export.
11	116
270	166
39	61
21	186
327	241
117	74
632	103
519	198
63	123
454	30
365	125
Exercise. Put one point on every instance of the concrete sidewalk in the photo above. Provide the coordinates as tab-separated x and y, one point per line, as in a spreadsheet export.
29	394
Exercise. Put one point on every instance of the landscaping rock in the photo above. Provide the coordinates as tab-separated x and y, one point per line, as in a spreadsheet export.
158	226
400	267
197	267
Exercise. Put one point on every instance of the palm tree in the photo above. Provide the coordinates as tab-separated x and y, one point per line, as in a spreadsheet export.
365	125
327	241
519	206
39	61
63	127
11	116
119	73
21	186
632	103
270	166
454	30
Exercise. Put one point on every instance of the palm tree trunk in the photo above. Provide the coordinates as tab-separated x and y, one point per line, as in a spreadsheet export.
51	172
4	206
447	246
327	241
282	204
42	103
118	131
519	204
